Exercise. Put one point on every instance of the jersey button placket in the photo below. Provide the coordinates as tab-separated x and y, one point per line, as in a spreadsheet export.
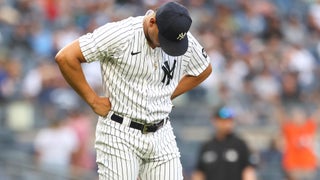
146	92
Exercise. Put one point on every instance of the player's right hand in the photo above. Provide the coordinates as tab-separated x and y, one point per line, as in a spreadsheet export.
101	106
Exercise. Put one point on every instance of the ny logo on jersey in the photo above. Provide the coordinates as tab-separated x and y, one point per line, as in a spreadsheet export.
181	36
168	73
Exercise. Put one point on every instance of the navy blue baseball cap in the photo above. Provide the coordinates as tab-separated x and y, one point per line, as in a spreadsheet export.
173	22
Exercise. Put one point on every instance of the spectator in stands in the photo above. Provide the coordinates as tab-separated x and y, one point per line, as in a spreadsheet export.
266	85
301	60
290	89
313	16
55	147
270	167
299	135
81	124
225	156
10	88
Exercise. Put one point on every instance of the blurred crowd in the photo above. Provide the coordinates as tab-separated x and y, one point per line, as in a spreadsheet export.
265	55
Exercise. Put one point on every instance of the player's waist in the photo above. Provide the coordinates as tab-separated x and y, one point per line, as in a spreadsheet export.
141	112
143	127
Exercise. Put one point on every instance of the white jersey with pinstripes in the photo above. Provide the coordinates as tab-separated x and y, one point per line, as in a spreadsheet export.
139	80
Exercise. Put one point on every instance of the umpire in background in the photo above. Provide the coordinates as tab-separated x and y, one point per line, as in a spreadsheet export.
225	156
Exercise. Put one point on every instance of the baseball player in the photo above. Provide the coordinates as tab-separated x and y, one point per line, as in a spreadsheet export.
146	61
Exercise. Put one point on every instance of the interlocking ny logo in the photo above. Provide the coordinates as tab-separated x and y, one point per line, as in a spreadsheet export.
168	73
181	36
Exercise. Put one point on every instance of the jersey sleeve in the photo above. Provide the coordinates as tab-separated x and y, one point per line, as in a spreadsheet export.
199	60
104	41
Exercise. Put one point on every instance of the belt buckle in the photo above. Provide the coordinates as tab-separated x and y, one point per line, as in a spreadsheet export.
145	129
154	127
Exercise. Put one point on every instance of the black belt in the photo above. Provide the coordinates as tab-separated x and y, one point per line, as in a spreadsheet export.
144	128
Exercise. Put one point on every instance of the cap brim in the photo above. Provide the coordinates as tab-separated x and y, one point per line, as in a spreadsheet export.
173	48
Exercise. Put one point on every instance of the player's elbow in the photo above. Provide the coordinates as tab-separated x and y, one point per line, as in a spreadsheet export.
64	54
59	58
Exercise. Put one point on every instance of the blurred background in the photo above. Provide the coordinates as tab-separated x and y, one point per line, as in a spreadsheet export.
265	56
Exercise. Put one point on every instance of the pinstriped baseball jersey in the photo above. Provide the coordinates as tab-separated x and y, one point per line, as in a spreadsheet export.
137	79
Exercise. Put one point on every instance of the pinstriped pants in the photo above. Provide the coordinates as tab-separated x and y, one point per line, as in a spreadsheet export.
124	153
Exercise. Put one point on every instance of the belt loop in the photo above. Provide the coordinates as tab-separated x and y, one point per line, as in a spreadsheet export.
126	121
166	121
109	114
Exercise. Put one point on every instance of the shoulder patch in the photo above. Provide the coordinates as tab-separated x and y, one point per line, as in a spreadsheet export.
204	53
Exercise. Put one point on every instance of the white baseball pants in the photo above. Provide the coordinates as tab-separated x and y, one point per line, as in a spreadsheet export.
124	153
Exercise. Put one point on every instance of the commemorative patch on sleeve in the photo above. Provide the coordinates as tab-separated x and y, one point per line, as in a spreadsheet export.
204	53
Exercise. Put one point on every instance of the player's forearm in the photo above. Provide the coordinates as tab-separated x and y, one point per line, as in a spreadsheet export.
70	66
74	76
189	82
